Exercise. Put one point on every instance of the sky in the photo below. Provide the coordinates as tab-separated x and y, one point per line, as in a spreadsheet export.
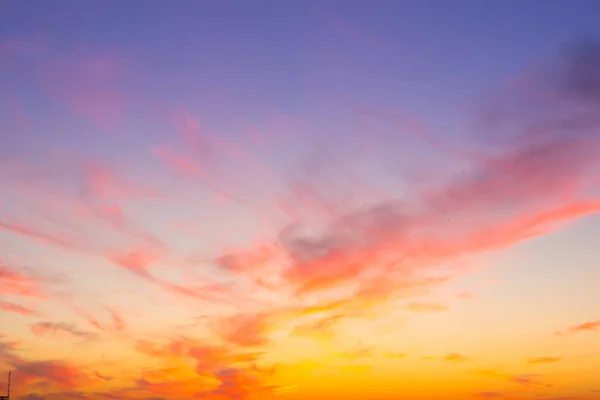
391	200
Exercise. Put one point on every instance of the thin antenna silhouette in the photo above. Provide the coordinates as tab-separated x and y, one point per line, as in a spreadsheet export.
7	397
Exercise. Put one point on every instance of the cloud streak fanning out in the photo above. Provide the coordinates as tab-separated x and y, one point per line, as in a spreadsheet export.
218	271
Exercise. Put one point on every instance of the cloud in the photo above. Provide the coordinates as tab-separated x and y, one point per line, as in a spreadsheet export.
455	357
394	355
90	85
103	377
204	161
466	296
15	282
93	191
33	234
246	330
325	264
591	326
543	360
492	204
582	81
322	327
425	307
15	308
45	329
236	383
34	396
117	323
82	199
528	381
500	200
137	261
8	349
50	374
207	358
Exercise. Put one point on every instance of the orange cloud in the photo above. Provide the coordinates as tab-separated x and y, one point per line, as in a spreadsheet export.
56	374
455	357
425	307
244	329
528	381
543	360
51	328
322	327
591	326
365	250
237	383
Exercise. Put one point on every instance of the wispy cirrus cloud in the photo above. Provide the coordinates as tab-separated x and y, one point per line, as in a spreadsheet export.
21	283
45	329
591	326
455	357
89	85
425	307
528	380
326	259
543	360
19	309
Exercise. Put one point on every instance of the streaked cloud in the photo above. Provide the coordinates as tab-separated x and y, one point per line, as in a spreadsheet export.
301	255
543	360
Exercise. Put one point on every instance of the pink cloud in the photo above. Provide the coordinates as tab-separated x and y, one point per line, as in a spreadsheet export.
89	85
117	323
355	257
18	309
17	283
591	326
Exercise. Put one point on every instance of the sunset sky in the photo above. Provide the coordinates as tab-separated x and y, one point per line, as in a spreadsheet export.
256	200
